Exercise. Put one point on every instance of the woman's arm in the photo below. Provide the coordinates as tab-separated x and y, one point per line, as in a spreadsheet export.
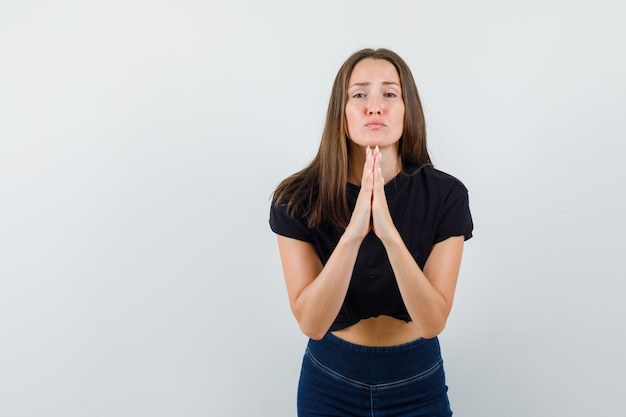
427	294
316	293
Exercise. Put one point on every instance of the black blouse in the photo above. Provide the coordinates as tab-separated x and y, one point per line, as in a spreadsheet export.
427	206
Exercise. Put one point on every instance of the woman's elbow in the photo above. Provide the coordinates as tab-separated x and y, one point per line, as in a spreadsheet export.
311	330
316	336
431	334
433	330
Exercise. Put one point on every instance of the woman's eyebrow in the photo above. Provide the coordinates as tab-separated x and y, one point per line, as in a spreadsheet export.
366	83
360	84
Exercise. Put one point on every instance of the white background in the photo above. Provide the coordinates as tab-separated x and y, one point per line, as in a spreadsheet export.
140	142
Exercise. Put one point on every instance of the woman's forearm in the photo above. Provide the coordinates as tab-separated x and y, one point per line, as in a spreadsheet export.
317	306
427	305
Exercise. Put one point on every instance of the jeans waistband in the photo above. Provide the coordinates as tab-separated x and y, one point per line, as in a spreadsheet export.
375	365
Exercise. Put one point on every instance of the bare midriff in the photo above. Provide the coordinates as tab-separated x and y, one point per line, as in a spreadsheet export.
379	331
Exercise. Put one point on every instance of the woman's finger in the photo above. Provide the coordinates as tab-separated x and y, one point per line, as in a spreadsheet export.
361	219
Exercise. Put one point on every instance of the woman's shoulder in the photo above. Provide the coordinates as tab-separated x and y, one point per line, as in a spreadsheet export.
289	219
434	177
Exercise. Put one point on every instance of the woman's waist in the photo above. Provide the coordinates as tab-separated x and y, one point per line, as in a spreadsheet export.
381	331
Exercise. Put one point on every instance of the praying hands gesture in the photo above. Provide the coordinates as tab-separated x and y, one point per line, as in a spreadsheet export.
371	211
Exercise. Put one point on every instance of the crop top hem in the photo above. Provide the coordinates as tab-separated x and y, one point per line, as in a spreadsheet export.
343	324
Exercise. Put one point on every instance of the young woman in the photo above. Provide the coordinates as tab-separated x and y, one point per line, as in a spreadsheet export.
370	238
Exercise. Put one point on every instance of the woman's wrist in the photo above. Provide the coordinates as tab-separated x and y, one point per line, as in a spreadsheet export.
352	236
391	238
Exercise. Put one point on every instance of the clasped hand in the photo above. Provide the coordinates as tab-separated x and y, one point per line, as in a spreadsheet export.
371	211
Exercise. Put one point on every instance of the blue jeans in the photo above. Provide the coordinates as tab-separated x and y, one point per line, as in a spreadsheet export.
342	379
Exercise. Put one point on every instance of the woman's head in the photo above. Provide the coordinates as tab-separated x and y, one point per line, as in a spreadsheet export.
374	108
412	144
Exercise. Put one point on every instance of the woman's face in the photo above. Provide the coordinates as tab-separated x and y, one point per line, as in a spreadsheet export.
375	108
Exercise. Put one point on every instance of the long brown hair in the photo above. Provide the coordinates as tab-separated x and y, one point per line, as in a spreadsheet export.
318	192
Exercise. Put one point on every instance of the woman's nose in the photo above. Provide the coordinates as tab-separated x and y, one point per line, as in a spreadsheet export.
374	107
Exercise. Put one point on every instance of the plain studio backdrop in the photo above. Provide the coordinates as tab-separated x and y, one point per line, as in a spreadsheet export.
140	142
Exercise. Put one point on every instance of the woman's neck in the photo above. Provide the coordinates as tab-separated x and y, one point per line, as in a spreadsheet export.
390	163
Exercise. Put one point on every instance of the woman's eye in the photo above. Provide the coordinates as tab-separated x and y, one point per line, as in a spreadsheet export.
358	95
390	95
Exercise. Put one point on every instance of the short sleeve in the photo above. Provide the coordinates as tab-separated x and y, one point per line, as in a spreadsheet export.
283	224
455	218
